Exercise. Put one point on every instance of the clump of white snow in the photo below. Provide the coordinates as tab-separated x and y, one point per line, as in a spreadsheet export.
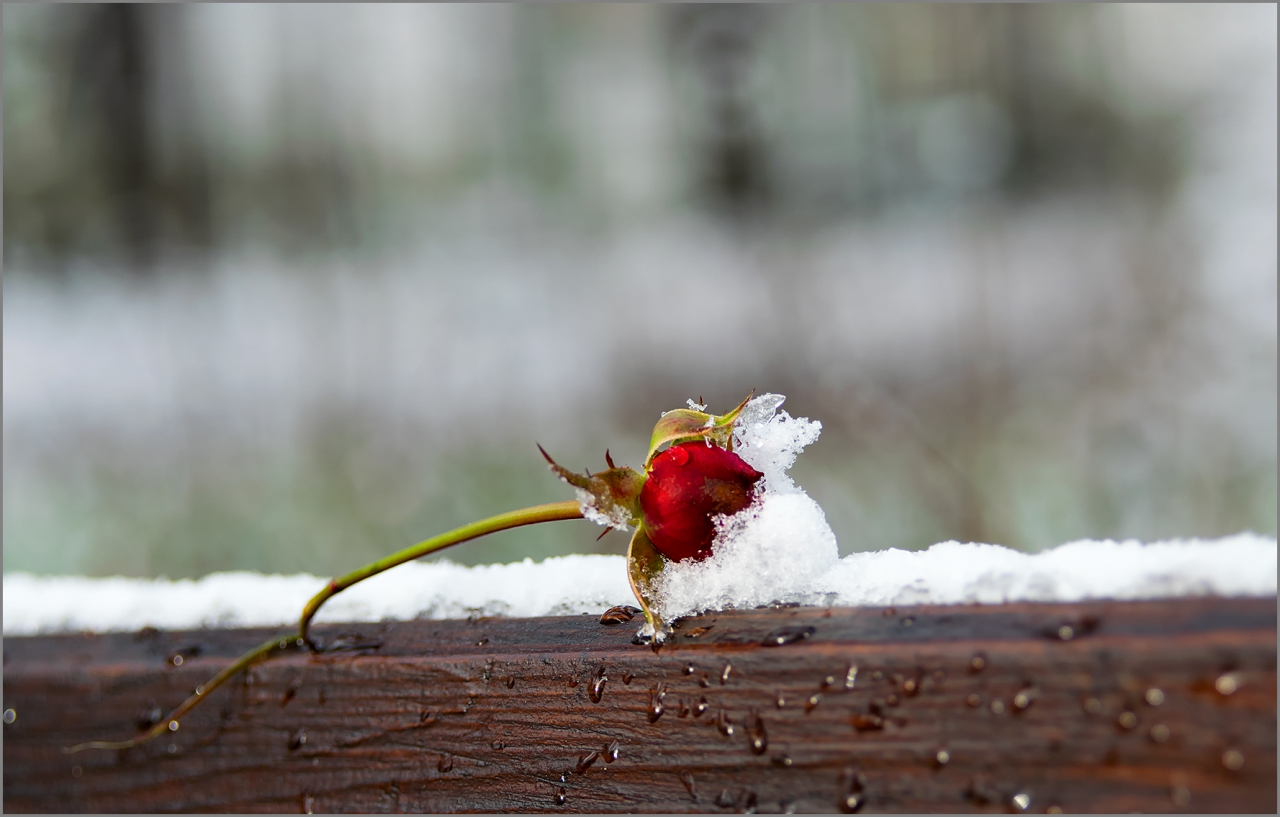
773	550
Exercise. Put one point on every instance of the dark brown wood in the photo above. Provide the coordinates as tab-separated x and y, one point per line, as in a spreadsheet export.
963	708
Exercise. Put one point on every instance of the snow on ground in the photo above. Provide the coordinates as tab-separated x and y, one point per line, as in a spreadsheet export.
779	549
947	573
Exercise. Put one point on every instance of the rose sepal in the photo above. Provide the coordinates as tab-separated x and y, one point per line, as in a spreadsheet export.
688	424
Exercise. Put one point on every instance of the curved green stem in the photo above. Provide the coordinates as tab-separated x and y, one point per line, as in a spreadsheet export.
551	512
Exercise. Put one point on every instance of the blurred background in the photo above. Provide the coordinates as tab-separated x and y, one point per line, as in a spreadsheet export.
290	287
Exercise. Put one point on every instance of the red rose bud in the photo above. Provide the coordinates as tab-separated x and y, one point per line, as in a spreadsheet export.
689	484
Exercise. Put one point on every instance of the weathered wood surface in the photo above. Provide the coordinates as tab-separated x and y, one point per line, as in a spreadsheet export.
952	709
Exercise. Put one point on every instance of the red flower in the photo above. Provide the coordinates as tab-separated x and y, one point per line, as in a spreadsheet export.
688	485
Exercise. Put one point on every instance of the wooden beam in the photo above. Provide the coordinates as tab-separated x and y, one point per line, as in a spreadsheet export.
1159	706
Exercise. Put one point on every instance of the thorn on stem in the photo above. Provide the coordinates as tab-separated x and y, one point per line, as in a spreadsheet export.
601	536
609	459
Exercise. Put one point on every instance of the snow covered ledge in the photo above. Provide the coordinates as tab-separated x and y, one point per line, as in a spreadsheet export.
947	573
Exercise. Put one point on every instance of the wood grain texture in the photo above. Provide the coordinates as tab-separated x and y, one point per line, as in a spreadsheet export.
528	714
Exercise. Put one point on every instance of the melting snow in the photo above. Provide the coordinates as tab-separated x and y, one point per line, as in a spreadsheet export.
778	550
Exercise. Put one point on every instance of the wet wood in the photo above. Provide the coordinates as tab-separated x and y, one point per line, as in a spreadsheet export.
1096	707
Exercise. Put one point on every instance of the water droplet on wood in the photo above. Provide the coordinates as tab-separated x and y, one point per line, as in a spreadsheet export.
973	700
1233	760
756	733
10	715
1159	733
942	758
700	707
585	761
869	722
997	707
173	726
1127	720
299	738
689	786
596	690
627	678
851	677
724	724
781	759
498	745
561	796
1093	706
787	635
812	702
1021	801
656	707
1227	684
724	673
618	615
688	669
611	752
780	701
1154	696
1066	632
978	663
